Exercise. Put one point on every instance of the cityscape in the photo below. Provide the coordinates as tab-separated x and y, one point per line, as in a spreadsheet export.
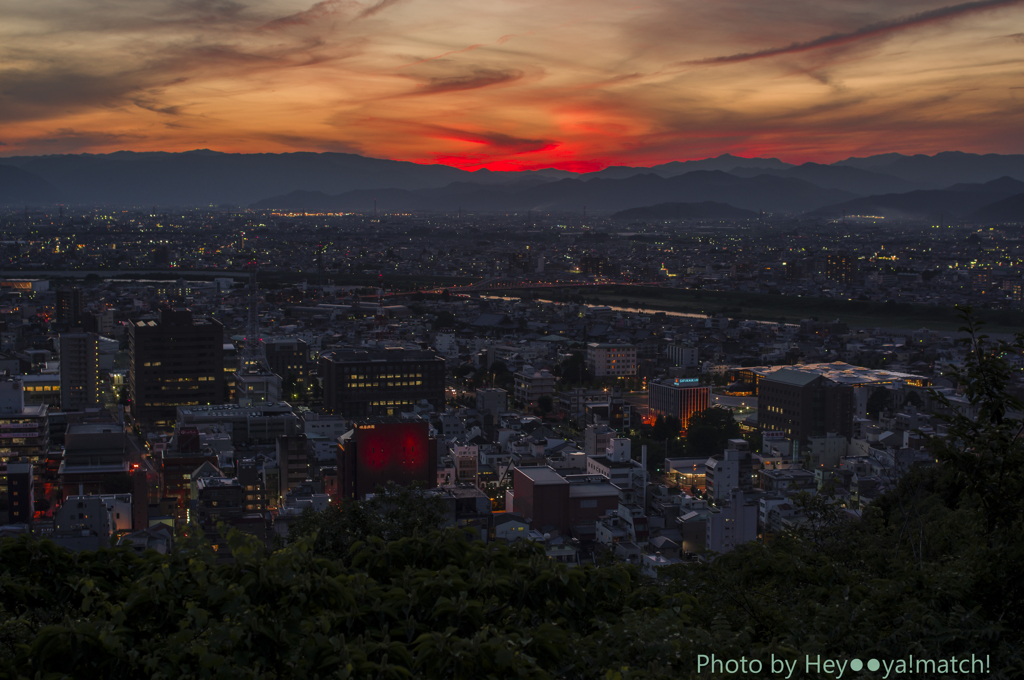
693	357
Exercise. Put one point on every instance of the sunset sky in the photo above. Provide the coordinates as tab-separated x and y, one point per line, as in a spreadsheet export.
514	84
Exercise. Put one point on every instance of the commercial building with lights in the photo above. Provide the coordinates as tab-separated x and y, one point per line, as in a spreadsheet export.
176	361
838	372
382	450
360	383
679	397
803	404
813	400
24	431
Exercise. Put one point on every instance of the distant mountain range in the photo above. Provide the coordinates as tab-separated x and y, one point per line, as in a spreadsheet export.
955	202
706	210
958	184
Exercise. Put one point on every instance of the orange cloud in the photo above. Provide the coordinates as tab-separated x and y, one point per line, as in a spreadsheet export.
513	84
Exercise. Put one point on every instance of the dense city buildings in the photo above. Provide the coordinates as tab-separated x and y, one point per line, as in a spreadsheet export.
176	360
390	357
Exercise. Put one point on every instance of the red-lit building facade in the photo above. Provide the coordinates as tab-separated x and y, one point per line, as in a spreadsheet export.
680	398
384	450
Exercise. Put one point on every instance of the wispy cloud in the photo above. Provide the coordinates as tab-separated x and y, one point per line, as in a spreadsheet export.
376	8
479	78
512	83
874	30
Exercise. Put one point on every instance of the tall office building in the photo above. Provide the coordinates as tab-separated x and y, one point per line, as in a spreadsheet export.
79	371
176	361
24	433
21	504
840	267
292	460
361	383
289	358
680	398
69	306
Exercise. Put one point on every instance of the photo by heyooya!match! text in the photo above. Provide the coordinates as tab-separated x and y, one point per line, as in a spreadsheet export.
815	664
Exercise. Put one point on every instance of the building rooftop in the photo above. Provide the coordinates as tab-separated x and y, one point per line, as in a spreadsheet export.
839	372
542	475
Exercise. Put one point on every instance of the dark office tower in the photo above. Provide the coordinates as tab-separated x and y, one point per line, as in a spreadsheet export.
804	404
596	265
20	494
288	358
176	361
79	371
162	256
69	306
248	474
385	450
840	267
380	382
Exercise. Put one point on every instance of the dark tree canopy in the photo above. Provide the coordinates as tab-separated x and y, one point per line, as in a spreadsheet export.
710	430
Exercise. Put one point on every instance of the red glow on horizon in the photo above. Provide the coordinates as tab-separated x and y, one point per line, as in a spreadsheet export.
472	164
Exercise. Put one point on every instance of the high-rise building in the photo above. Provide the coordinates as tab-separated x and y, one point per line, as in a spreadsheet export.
289	358
680	398
292	460
24	432
385	450
69	306
21	504
596	265
360	383
79	371
176	361
252	485
840	267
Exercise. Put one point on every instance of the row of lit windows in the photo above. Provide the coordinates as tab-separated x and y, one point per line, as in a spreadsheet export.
43	388
407	383
389	376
